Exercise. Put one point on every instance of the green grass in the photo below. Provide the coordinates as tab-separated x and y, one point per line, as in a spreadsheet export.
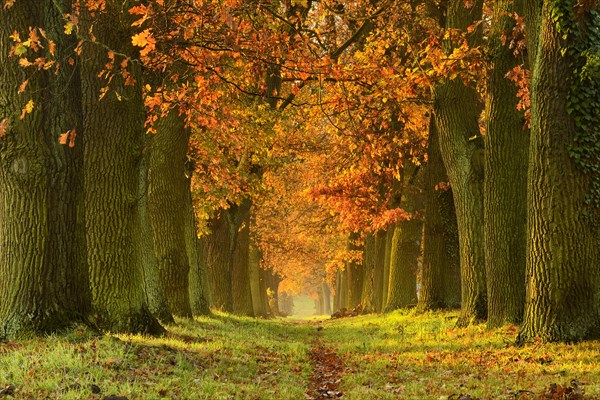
401	355
393	356
223	357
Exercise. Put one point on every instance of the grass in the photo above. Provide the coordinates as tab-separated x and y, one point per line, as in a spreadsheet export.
398	355
223	357
401	355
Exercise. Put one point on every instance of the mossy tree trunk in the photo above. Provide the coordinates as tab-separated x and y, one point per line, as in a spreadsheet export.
42	248
199	290
505	187
114	134
242	295
389	234
457	109
378	278
254	272
440	271
368	289
167	195
404	256
326	298
355	273
563	279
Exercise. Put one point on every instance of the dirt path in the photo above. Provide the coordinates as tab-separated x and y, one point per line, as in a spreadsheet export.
328	369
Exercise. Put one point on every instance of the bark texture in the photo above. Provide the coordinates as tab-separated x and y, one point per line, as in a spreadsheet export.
242	295
563	280
402	291
505	187
42	247
167	195
440	272
457	108
114	132
368	289
355	275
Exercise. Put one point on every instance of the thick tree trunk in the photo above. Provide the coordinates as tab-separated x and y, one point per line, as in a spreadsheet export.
272	282
338	290
368	289
404	256
153	287
326	298
440	272
389	234
380	242
457	108
42	251
242	295
254	269
199	290
355	275
114	132
167	195
563	279
219	261
344	288
264	296
505	187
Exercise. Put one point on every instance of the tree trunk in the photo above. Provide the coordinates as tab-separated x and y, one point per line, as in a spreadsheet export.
355	275
264	296
505	187
42	251
338	289
389	234
368	289
199	290
219	262
457	108
254	269
242	296
326	299
404	256
272	282
114	132
563	279
344	288
167	195
153	287
380	242
440	272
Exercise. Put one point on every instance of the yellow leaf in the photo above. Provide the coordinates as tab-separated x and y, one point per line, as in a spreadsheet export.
69	26
27	109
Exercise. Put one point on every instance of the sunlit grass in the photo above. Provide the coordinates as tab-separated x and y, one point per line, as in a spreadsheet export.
401	355
222	357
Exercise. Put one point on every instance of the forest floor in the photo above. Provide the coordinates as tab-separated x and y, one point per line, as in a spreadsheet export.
392	356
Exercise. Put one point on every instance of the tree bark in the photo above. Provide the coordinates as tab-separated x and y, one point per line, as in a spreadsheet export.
457	108
326	298
199	290
404	255
254	272
562	276
242	295
219	261
389	234
114	131
380	241
505	187
42	252
440	272
355	275
167	196
153	287
368	289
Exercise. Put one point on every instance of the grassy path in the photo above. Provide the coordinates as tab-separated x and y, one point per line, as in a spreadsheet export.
395	356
